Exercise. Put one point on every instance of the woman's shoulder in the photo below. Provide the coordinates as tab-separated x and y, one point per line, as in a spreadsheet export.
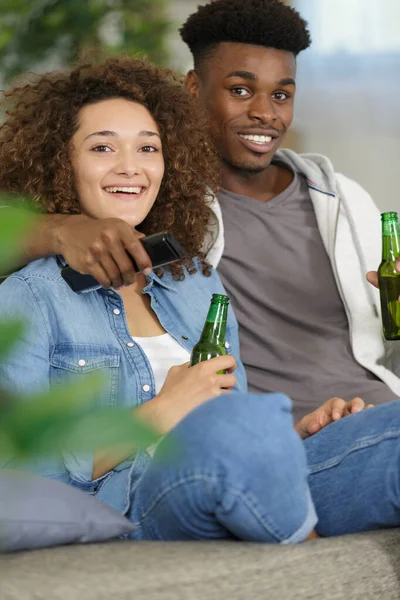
37	279
43	268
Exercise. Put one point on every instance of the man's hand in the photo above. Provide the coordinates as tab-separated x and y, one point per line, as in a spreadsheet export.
332	410
102	248
372	276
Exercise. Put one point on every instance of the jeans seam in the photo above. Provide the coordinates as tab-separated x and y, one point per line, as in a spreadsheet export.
245	498
251	504
360	445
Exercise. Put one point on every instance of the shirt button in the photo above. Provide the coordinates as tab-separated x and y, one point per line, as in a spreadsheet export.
116	311
110	292
81	362
227	345
184	337
130	344
146	387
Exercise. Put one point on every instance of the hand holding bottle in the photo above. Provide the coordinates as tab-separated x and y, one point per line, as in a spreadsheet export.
186	388
213	337
387	279
372	276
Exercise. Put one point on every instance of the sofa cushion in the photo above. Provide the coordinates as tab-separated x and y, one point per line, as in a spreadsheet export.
36	512
352	567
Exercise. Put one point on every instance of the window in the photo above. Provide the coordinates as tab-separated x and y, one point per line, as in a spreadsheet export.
352	26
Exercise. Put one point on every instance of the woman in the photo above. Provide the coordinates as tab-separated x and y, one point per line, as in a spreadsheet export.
121	140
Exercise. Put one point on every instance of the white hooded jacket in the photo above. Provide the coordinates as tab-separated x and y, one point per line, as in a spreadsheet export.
349	224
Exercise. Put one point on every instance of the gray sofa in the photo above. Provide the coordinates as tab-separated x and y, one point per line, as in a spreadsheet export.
354	567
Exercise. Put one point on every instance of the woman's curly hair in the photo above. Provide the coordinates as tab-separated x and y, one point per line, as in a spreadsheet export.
42	116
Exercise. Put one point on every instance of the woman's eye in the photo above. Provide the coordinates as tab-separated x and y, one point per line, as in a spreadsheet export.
239	91
101	148
148	149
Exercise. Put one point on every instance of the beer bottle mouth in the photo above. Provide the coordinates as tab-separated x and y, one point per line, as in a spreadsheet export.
389	216
220	298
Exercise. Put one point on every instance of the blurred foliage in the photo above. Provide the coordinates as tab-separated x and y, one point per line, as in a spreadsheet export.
35	33
65	419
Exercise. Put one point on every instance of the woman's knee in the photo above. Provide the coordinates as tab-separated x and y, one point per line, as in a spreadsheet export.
252	464
238	416
243	436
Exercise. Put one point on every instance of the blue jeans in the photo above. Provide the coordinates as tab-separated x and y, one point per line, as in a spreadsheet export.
240	472
355	471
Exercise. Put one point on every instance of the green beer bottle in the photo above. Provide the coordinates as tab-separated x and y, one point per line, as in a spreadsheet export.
212	340
389	278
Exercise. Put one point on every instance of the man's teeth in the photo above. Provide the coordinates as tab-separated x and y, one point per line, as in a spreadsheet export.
127	190
257	139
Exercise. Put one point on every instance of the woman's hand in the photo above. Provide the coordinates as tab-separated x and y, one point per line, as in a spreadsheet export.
332	410
186	388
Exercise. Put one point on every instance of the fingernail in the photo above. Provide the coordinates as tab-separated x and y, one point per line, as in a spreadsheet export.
147	271
336	416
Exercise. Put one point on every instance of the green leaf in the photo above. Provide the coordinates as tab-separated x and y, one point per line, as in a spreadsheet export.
38	27
9	334
28	421
67	420
14	226
103	429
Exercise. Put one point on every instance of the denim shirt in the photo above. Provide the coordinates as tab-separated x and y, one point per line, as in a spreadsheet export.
71	334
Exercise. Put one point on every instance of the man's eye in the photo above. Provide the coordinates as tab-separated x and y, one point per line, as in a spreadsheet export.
281	96
239	91
101	148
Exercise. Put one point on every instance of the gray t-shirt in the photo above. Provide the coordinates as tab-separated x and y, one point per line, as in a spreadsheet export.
294	332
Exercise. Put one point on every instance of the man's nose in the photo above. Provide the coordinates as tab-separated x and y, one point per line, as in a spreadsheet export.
262	109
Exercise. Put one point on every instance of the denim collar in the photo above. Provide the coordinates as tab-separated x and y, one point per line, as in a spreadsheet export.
151	279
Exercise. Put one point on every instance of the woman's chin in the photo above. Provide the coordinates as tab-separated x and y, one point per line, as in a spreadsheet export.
132	221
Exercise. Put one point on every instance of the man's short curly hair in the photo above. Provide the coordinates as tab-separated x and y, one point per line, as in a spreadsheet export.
268	23
42	116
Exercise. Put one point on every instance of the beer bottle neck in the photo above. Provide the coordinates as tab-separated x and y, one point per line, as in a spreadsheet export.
214	329
390	240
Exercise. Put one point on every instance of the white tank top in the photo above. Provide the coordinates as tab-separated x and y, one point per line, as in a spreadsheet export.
163	352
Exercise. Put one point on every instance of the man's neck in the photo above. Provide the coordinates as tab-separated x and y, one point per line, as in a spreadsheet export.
261	186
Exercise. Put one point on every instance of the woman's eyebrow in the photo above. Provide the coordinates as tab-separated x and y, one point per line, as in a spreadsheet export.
101	133
108	133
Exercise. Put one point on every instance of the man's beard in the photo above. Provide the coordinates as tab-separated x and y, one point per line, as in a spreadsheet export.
245	168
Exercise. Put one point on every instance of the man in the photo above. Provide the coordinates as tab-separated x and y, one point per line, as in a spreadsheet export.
294	239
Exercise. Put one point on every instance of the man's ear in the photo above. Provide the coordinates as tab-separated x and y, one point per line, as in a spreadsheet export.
193	83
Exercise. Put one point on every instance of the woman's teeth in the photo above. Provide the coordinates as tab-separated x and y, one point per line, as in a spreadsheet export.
257	139
125	190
